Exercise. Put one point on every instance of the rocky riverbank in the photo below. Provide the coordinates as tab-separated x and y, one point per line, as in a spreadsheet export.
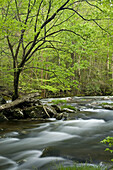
30	107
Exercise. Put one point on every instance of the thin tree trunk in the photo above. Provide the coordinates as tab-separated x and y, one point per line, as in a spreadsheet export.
16	83
112	70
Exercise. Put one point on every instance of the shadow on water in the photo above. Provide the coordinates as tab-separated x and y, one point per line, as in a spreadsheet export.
44	144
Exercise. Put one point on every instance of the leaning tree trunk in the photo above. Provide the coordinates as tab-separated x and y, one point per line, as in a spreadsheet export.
16	83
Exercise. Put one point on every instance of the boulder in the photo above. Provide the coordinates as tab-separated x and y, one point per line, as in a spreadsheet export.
34	112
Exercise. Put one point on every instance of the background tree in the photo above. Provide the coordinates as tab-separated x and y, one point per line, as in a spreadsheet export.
34	28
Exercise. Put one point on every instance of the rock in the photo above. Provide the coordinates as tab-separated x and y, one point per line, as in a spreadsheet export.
110	107
2	100
50	151
14	113
106	98
29	107
34	112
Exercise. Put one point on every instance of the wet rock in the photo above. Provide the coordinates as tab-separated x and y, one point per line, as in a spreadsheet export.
110	107
34	112
50	151
39	111
29	107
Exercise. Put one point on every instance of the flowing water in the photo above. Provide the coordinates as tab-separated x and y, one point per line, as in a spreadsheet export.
27	145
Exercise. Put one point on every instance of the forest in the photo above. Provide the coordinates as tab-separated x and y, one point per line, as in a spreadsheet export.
56	48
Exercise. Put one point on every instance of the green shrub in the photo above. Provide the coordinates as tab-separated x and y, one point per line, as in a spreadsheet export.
109	142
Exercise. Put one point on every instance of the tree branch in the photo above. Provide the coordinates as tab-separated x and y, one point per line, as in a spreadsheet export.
94	6
53	16
37	16
61	30
94	20
48	71
10	47
18	15
28	12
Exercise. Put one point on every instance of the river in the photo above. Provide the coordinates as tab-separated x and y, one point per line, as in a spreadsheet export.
27	145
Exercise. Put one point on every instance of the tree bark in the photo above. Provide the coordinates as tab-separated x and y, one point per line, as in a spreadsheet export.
16	83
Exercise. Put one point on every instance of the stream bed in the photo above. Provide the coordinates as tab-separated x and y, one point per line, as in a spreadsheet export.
27	145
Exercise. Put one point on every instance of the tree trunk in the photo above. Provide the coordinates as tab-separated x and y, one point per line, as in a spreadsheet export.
112	70
16	83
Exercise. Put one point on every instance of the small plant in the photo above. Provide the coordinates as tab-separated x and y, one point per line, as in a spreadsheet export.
82	167
108	141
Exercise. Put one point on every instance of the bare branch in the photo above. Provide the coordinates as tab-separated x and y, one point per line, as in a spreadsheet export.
37	15
27	58
94	6
61	30
94	20
53	16
10	47
28	12
46	70
20	41
101	27
43	25
48	10
18	15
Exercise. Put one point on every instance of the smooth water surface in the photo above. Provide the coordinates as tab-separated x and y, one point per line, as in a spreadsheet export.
44	145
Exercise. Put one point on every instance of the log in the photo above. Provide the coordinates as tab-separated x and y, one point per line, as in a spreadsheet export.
28	107
17	102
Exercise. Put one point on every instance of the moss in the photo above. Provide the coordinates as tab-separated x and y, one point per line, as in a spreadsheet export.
68	107
58	101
